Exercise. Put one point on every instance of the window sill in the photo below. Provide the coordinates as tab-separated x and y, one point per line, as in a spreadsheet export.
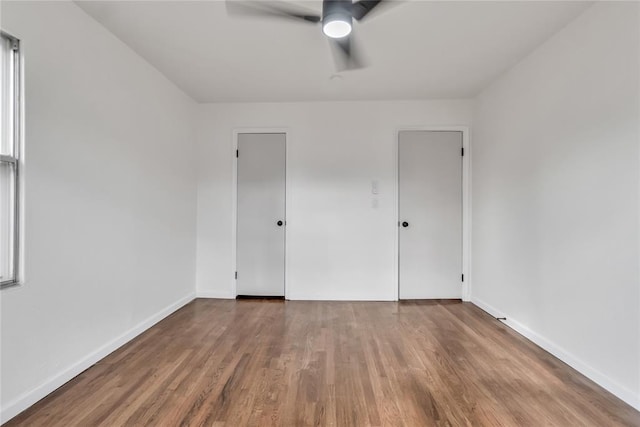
10	284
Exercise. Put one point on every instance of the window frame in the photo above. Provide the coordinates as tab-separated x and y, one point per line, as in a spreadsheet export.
14	158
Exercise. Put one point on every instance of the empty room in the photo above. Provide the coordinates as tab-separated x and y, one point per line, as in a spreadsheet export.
319	213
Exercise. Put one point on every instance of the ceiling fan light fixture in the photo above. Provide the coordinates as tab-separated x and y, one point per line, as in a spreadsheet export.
336	18
337	27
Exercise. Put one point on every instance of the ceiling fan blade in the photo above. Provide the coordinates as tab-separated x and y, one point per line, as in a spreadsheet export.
361	8
346	55
271	9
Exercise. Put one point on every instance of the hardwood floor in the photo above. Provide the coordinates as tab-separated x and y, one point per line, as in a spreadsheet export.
294	363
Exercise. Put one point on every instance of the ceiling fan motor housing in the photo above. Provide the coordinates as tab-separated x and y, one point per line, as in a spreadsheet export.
337	10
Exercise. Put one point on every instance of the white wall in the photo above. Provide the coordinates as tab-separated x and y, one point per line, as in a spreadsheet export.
339	247
110	200
556	197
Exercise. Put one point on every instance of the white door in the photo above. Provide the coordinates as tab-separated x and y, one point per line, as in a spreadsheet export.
261	214
430	214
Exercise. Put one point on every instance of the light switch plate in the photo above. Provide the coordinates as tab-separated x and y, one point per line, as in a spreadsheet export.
374	187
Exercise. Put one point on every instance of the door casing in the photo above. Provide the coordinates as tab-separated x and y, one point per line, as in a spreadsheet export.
466	204
234	204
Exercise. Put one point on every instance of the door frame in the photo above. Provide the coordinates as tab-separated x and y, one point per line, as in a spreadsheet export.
466	204
234	202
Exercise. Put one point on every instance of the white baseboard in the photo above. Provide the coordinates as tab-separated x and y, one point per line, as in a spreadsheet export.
226	295
27	399
623	393
357	297
214	294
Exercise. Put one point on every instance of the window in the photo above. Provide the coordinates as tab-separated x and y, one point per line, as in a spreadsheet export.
9	159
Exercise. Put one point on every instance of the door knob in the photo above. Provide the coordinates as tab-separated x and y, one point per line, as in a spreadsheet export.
405	224
279	223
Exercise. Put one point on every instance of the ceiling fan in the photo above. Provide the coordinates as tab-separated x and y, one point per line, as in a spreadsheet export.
336	19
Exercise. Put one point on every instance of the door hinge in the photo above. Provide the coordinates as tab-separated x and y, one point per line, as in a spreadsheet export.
462	151
237	153
236	275
463	277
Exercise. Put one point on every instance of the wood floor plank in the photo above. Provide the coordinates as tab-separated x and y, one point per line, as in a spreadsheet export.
300	363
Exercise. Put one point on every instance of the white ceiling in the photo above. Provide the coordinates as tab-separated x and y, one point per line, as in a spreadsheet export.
416	50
